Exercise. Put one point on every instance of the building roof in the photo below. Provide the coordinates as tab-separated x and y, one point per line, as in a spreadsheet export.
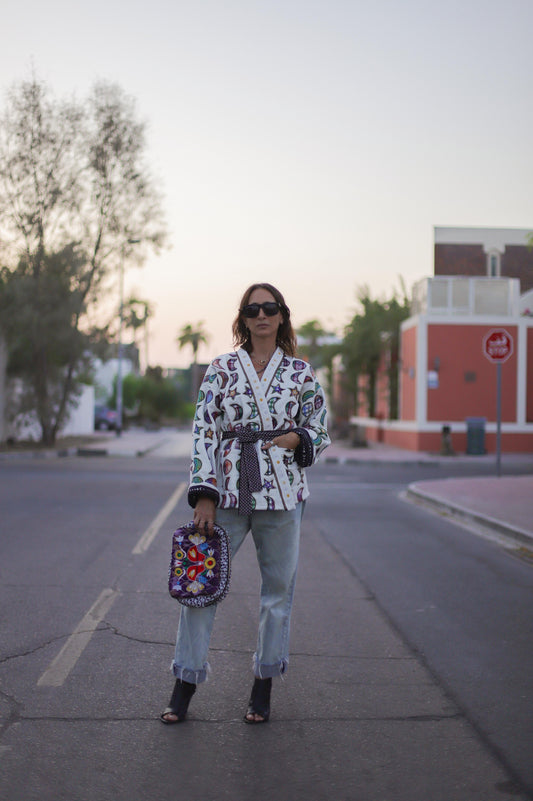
490	238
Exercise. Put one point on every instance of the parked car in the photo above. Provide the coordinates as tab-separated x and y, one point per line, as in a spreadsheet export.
105	419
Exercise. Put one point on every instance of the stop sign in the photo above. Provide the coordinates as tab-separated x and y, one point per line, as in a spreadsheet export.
498	345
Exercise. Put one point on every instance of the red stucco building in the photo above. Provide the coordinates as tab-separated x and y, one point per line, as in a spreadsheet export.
445	378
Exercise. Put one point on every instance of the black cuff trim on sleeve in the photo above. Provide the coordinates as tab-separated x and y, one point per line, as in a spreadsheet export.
198	492
304	452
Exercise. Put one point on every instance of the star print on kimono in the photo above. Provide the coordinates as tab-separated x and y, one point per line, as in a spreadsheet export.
209	433
277	389
268	485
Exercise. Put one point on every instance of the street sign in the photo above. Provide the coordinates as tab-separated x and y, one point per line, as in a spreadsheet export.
498	345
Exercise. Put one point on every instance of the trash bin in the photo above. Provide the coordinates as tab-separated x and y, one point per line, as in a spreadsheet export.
446	441
475	436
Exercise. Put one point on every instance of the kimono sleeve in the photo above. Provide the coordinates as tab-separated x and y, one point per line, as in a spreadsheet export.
312	422
205	439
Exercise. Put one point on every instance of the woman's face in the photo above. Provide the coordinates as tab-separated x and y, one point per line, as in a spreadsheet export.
263	326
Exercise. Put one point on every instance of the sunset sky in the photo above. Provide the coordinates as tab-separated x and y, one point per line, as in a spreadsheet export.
310	143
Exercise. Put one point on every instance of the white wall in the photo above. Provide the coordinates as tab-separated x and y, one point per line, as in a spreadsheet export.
81	419
105	374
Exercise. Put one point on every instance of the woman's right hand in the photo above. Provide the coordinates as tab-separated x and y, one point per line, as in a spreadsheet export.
204	516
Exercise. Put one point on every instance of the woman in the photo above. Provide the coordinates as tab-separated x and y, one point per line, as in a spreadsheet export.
260	419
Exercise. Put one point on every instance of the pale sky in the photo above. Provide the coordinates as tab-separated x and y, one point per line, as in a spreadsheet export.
310	143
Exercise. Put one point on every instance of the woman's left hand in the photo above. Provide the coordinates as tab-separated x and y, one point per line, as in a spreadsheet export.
289	441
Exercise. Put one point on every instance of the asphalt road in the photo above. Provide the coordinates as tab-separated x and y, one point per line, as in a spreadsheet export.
87	632
462	602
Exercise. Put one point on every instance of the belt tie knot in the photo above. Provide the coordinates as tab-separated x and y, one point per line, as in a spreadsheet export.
250	473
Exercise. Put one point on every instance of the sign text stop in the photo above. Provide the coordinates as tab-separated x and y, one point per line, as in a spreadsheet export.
498	345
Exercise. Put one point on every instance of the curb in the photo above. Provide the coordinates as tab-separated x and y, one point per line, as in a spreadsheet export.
78	451
377	460
106	452
44	454
462	513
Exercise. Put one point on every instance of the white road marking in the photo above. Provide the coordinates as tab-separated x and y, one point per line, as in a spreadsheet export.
62	665
153	529
66	659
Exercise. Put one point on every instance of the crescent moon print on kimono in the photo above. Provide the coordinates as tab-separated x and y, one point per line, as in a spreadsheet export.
231	365
239	411
272	405
196	465
296	378
289	406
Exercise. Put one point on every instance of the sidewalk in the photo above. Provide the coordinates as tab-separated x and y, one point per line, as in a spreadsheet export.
503	504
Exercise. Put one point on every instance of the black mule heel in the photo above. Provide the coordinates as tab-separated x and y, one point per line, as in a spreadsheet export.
179	702
259	703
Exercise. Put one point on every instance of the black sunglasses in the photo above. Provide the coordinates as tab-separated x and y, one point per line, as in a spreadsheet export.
270	308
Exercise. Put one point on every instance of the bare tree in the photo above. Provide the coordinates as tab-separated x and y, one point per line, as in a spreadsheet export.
73	180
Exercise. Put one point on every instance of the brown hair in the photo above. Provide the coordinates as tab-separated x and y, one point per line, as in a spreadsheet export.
285	339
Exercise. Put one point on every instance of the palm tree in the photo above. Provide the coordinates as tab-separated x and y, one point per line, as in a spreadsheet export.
310	339
193	336
136	316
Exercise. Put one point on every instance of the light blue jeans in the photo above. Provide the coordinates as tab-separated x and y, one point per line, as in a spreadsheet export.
276	535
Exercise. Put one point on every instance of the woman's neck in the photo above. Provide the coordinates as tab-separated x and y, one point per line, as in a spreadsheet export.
262	350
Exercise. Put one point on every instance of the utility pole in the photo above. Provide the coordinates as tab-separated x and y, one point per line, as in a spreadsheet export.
120	343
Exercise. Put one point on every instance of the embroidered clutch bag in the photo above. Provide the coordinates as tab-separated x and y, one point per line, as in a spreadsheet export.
199	566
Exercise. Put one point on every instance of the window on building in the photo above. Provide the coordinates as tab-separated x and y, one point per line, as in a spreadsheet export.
493	264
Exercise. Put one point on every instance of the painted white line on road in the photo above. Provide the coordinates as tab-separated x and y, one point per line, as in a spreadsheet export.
66	659
153	529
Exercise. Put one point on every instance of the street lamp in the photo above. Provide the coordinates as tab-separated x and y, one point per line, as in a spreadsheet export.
120	345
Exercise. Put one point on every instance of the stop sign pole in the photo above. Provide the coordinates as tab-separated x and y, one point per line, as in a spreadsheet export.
498	347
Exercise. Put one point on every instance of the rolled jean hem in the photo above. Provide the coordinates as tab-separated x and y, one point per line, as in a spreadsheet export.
192	676
270	671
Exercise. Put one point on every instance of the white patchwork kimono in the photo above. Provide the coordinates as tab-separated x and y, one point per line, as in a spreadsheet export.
233	397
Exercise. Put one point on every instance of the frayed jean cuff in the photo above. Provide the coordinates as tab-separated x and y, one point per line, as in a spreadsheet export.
269	671
192	676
